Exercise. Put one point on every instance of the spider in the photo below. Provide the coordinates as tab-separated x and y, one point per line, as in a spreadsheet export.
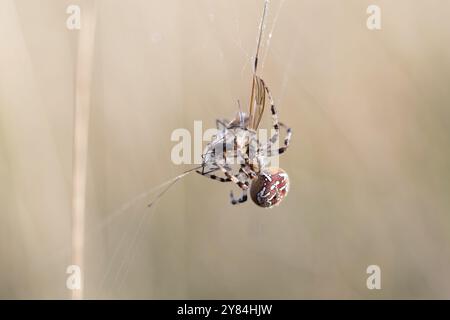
237	140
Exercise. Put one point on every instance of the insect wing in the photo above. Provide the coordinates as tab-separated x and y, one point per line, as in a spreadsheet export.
257	102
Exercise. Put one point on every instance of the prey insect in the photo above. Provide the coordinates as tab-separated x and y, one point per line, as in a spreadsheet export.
237	140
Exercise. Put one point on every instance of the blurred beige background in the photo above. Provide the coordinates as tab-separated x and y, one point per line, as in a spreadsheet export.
369	159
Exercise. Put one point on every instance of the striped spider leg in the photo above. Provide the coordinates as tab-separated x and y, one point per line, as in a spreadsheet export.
276	125
248	171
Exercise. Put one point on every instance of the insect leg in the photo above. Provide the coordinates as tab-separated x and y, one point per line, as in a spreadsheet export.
221	124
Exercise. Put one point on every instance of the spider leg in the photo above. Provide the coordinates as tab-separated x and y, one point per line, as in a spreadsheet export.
247	167
273	110
242	199
213	176
226	169
286	143
242	185
248	171
234	179
244	196
276	126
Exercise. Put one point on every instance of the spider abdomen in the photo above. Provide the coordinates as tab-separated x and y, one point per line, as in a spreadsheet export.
270	187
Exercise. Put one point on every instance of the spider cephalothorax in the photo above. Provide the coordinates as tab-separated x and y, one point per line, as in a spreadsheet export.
270	187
